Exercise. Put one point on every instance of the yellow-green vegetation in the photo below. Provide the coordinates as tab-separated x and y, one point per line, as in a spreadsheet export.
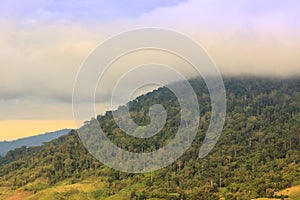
5	191
86	189
292	193
257	154
82	190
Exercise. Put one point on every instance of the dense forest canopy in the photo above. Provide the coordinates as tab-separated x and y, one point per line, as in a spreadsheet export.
257	154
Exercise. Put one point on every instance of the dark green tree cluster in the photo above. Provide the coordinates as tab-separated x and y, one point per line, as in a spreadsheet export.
257	154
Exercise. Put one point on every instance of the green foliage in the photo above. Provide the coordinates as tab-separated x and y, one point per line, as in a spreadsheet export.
257	155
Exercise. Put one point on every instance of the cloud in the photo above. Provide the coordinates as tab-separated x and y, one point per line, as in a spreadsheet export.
36	12
43	60
44	42
252	37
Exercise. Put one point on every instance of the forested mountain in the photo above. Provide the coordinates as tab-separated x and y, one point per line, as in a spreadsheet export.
36	140
257	155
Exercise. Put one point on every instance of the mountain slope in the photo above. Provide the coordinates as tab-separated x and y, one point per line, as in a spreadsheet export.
257	154
37	140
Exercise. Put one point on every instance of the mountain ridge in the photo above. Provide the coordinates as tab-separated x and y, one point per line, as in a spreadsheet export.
257	155
36	140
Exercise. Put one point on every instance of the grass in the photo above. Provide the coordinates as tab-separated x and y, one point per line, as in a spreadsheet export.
94	189
5	191
64	190
293	193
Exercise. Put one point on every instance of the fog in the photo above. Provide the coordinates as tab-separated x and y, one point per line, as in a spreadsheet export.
43	46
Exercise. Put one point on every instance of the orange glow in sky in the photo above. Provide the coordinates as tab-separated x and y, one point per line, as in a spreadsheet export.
13	129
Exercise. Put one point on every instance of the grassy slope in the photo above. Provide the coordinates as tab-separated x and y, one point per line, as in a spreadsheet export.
87	189
293	193
91	189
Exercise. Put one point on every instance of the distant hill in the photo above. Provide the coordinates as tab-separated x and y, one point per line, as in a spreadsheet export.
36	140
257	154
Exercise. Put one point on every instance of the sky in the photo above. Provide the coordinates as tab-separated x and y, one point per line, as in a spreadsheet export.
44	42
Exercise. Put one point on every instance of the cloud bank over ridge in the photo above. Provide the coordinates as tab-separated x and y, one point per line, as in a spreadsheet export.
44	42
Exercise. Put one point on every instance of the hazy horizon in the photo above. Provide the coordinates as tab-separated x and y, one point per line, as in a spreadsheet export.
44	43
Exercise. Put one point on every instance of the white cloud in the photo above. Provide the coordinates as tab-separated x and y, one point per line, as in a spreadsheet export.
41	53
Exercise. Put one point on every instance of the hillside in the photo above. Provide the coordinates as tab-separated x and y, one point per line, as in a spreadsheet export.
257	155
36	140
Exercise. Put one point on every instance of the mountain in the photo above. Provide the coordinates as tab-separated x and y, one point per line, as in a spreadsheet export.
37	140
257	155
